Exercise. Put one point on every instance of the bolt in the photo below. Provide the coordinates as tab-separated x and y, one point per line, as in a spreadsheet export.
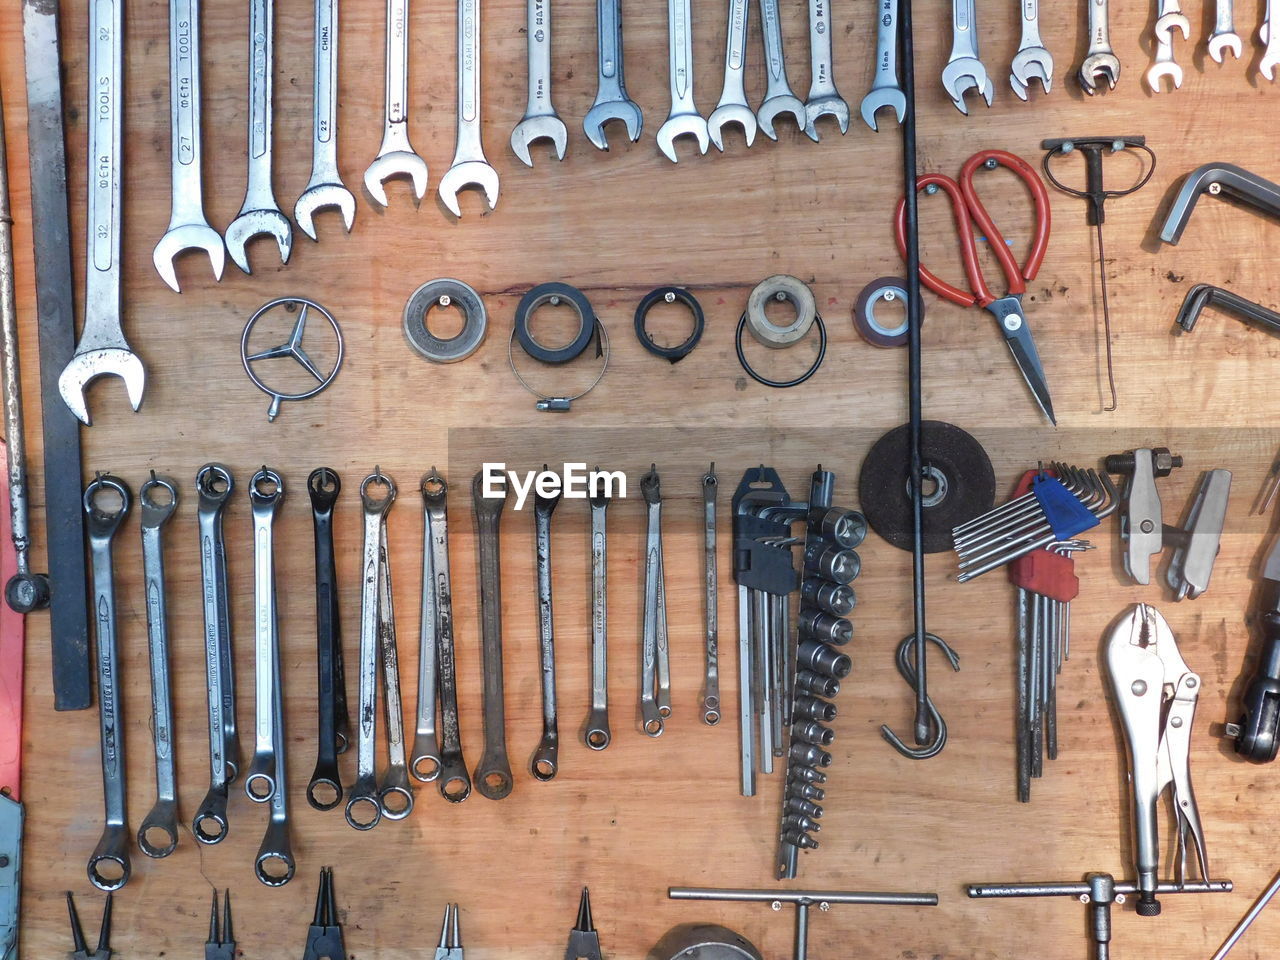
554	301
669	297
1067	147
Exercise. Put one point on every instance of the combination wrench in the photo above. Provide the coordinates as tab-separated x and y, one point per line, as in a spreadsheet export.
188	227
324	791
711	685
612	102
684	118
655	665
1032	61
1169	18
778	98
394	793
1101	62
1271	41
733	106
106	502
492	775
1224	36
325	189
964	70
540	120
597	735
543	765
469	167
102	348
158	498
886	90
260	214
824	99
396	156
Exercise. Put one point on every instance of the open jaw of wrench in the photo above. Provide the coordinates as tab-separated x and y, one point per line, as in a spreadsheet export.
260	214
324	791
1224	37
596	735
1032	61
612	102
102	349
540	120
711	685
733	106
1170	19
325	189
214	485
684	120
964	70
1271	42
824	99
106	502
469	167
1100	63
655	662
886	91
158	498
778	98
188	227
396	156
492	775
543	764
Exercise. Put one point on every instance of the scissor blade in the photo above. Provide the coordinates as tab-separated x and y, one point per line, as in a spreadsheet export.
1023	348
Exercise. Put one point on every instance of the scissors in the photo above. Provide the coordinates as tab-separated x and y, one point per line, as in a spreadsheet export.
1007	310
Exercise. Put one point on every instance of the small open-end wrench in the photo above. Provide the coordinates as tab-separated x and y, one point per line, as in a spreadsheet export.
824	99
394	792
886	91
1270	40
106	501
543	764
324	790
612	102
964	70
597	734
655	666
733	106
711	685
158	498
188	227
266	493
469	167
396	156
325	189
1224	36
684	120
260	214
492	775
1100	63
540	120
1170	18
778	98
102	348
1032	61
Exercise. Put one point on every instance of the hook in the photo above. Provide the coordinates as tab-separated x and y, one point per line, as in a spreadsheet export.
907	669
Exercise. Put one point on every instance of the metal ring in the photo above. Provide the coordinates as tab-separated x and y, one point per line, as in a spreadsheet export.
669	295
555	293
291	348
546	401
781	287
783	384
442	293
864	312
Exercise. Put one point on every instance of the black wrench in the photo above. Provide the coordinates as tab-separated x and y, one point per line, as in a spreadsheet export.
324	792
492	775
543	765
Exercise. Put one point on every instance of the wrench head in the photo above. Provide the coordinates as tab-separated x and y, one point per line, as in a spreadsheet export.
189	236
1220	43
258	223
774	107
728	113
86	367
963	74
1170	22
531	129
397	163
682	125
1268	64
324	196
628	111
877	100
468	173
832	105
1029	65
1157	72
1099	66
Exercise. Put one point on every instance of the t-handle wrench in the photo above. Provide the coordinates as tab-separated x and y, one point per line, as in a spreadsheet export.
396	156
778	98
733	106
1100	63
612	102
469	167
824	99
684	118
885	91
540	121
597	734
492	774
325	188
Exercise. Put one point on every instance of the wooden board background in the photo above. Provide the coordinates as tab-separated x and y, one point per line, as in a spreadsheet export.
645	814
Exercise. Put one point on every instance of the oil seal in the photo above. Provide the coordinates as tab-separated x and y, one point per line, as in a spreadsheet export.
781	287
669	295
865	322
555	293
443	293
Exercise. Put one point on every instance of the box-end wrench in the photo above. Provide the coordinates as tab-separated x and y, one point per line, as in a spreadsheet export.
711	685
543	765
684	120
1032	61
426	762
396	156
1170	18
1224	36
260	214
964	70
824	99
597	734
492	775
102	348
325	189
266	493
1100	63
885	91
394	792
1270	40
469	167
158	498
612	102
188	227
106	502
733	106
778	98
653	639
324	790
540	120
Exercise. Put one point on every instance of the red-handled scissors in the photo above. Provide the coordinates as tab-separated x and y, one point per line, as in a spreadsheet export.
1007	309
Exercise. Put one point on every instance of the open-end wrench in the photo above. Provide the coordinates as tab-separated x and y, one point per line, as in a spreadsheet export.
260	214
824	99
102	348
1170	18
1224	36
394	792
188	227
1032	61
543	764
1100	63
540	120
469	167
612	102
597	734
158	498
106	501
885	91
396	156
1270	40
964	70
684	118
266	493
711	685
733	106
492	775
325	189
778	98
324	790
655	704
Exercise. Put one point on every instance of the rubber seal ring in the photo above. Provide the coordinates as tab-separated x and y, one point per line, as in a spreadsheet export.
445	349
783	384
546	293
671	295
781	287
864	316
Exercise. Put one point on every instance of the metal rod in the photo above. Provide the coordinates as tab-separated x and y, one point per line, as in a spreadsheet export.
988	891
1248	918
805	896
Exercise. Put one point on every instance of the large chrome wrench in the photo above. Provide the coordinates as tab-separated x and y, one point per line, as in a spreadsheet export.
778	98
1100	63
1032	61
106	501
612	102
324	790
396	156
684	118
1170	18
492	775
733	106
260	214
102	348
540	121
885	91
158	498
824	99
597	735
1224	36
394	793
544	764
266	493
964	70
1271	40
188	227
655	678
325	189
469	167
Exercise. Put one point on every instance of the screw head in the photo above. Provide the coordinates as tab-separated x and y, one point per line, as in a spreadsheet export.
775	905
824	906
554	301
1139	688
669	297
1215	188
445	300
